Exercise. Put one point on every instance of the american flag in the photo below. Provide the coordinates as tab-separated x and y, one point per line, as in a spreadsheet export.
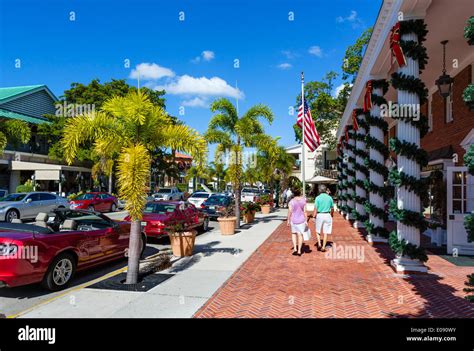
311	134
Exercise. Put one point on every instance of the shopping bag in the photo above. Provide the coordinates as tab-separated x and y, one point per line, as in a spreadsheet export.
307	234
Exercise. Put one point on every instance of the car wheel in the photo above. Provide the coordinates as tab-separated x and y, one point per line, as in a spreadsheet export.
205	225
60	272
113	208
11	215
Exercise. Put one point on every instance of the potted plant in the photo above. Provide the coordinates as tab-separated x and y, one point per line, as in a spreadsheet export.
468	96
181	239
265	202
248	210
469	31
227	220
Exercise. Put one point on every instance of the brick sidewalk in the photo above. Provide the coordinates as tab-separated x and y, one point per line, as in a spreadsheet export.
274	284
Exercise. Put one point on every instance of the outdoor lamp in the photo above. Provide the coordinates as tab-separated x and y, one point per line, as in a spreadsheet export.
445	81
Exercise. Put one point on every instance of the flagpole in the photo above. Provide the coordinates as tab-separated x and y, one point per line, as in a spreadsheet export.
303	154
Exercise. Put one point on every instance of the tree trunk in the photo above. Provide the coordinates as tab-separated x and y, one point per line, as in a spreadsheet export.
134	252
110	182
237	187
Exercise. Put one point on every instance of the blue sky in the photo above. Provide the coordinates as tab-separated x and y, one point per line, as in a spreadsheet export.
194	58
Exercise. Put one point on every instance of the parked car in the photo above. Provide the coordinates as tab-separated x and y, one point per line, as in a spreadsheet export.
198	198
169	194
28	205
121	204
95	201
249	194
3	193
158	215
215	204
66	241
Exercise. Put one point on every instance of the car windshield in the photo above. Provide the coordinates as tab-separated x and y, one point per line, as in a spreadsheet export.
85	197
159	208
164	191
200	195
249	190
14	197
213	200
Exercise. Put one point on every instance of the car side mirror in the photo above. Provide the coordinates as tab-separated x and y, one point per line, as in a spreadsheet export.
28	200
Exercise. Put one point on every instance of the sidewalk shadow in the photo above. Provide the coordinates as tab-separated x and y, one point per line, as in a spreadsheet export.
440	300
36	290
200	251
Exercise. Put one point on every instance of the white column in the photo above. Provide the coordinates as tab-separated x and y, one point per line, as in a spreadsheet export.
343	171
350	178
360	191
406	199
375	177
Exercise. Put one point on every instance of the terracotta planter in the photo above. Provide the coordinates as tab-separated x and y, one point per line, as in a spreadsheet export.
265	209
227	225
249	217
182	243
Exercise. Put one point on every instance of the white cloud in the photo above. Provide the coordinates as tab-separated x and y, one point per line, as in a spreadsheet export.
206	55
289	54
316	51
196	102
284	65
339	89
202	86
352	18
150	71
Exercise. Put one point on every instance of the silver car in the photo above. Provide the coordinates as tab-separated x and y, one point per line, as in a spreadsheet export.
28	205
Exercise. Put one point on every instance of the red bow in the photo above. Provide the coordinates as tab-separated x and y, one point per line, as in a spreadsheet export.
355	123
347	135
395	45
368	96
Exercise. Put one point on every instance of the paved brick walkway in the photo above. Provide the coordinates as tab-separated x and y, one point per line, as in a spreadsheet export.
272	283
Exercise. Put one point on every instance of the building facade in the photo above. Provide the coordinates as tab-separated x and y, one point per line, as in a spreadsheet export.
410	165
19	163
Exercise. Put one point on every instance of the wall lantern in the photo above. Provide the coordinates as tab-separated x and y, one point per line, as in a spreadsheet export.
444	82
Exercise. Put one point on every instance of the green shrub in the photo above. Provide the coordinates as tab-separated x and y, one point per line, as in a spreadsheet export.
25	188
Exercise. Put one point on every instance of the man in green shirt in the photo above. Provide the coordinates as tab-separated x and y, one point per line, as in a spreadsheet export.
323	213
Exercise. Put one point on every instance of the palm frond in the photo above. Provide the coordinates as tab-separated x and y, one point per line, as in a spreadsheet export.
185	139
3	142
133	174
224	106
17	131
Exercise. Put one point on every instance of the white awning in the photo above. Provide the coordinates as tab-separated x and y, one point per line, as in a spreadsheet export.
35	166
320	180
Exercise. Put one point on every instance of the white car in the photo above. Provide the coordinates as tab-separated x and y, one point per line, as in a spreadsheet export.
249	194
169	194
198	198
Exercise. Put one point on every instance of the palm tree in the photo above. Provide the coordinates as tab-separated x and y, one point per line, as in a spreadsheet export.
132	127
232	133
217	171
15	132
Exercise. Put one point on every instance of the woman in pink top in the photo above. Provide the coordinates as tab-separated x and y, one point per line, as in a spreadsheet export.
297	220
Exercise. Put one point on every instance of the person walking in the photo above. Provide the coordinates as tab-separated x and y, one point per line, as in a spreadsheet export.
323	213
297	219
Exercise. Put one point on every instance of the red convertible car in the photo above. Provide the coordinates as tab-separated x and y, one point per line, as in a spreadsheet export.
95	201
158	215
57	245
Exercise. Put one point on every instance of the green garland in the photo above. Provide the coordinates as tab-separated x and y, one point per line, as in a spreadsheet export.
469	219
421	123
376	166
378	100
382	191
380	84
416	26
415	51
409	150
418	186
408	217
402	247
373	143
375	211
362	169
377	122
372	229
401	81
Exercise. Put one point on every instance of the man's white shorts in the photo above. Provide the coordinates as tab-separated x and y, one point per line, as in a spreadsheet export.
324	222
